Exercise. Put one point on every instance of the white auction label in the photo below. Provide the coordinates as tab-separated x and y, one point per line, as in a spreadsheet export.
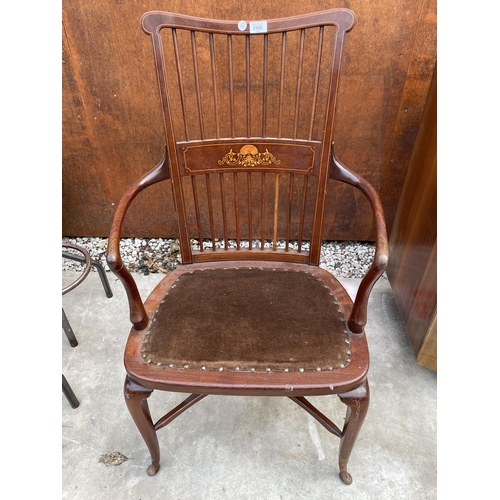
258	27
242	25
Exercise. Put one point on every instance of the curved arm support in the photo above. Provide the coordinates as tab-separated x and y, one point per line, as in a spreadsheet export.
138	315
358	317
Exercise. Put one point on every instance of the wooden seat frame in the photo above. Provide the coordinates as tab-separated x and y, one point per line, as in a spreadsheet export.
350	382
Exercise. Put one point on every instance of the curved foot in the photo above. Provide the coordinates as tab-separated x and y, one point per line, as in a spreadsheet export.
153	469
346	477
136	398
357	402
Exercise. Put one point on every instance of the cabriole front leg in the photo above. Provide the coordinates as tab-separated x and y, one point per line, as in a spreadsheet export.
357	402
136	399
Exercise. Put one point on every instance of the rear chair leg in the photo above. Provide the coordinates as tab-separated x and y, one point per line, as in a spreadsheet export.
357	402
136	399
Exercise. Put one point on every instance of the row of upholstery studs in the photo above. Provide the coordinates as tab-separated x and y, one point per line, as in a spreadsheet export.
301	370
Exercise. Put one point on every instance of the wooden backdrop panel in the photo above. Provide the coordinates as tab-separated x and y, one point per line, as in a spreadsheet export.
113	129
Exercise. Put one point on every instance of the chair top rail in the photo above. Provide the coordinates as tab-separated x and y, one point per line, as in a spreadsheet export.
153	21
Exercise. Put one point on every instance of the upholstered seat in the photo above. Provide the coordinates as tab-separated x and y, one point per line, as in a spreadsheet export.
240	323
248	319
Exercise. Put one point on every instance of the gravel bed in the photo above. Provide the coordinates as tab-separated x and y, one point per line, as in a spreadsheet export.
344	259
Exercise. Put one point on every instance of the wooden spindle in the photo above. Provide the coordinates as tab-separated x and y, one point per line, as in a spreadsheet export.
262	209
289	221
264	86
214	80
231	83
197	84
181	85
303	212
224	215
249	109
276	204
282	83
210	210
316	81
299	80
197	210
236	210
249	190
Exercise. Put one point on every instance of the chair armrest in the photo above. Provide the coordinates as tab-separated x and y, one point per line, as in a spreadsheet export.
138	315
358	317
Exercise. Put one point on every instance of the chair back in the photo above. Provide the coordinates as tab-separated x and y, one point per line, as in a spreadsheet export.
249	121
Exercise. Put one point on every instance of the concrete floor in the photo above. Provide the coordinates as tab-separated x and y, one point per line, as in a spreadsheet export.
242	448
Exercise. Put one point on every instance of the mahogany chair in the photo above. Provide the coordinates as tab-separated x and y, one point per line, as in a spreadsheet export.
248	114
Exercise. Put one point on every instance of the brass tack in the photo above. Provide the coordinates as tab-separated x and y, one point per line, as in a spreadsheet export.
237	368
186	366
318	369
268	369
171	365
348	352
348	360
252	369
143	355
330	368
203	367
159	364
286	369
342	365
301	370
221	369
347	341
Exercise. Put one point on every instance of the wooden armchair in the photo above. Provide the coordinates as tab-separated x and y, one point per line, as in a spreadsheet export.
248	114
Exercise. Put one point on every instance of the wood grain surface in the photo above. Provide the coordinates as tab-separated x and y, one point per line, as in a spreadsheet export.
112	123
412	270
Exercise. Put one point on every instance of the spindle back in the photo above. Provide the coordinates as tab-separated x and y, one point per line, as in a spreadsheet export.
249	117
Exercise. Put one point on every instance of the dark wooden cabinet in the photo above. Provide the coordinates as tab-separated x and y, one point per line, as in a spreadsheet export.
412	269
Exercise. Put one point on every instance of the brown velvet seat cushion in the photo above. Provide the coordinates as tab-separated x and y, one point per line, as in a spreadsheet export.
248	319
